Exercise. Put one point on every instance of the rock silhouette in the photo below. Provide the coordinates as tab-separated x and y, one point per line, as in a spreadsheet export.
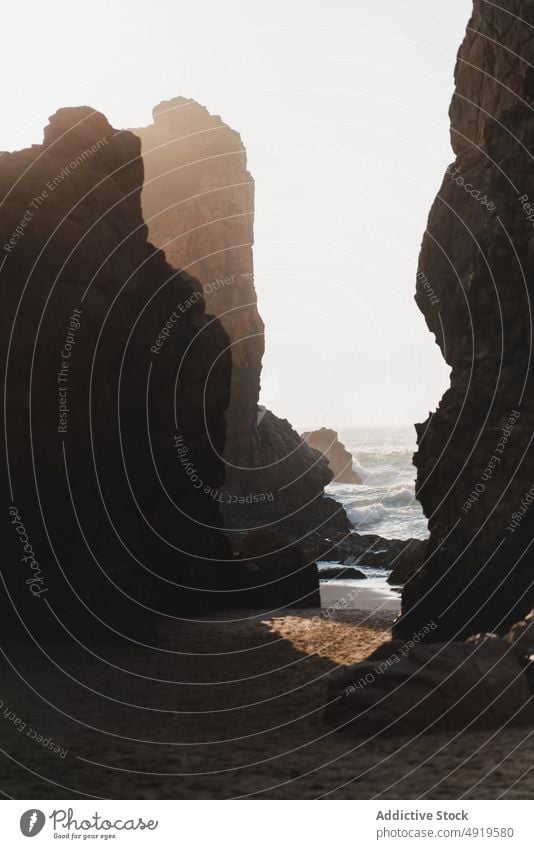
438	687
474	286
113	443
344	572
339	459
198	202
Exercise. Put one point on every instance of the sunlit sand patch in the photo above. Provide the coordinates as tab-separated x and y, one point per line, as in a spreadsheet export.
344	637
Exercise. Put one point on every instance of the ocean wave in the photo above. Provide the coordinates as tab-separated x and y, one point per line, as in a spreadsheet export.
385	503
363	516
387	511
388	523
402	497
390	478
393	456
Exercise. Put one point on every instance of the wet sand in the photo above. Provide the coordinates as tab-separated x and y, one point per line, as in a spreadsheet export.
231	709
373	594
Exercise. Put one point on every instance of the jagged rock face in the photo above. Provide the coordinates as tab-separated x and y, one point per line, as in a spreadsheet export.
475	288
277	571
407	561
104	424
339	459
293	477
198	202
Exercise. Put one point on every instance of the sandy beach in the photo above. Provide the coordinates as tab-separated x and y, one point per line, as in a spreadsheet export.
231	709
374	594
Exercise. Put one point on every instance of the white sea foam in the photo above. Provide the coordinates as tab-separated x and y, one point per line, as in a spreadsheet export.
401	497
385	503
367	516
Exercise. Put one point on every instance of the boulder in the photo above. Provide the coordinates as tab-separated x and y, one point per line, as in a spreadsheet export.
339	572
403	556
112	436
269	572
475	288
407	562
340	460
413	687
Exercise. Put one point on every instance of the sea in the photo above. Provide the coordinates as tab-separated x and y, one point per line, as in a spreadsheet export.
385	503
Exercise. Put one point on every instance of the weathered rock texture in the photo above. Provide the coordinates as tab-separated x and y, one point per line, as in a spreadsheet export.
475	288
407	561
402	557
99	427
198	202
339	459
294	476
117	386
270	568
442	687
338	572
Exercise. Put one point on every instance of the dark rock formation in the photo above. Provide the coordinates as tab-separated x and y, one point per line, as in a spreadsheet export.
293	477
407	561
112	449
118	382
339	572
475	288
521	636
404	688
339	459
198	202
275	574
402	556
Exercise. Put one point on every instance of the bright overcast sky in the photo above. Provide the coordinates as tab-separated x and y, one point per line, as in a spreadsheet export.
342	105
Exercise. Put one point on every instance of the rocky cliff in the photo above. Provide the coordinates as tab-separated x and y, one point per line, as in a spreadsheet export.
475	288
117	384
198	202
107	435
326	441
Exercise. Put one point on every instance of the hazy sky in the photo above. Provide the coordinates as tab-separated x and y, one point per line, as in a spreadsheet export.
342	105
